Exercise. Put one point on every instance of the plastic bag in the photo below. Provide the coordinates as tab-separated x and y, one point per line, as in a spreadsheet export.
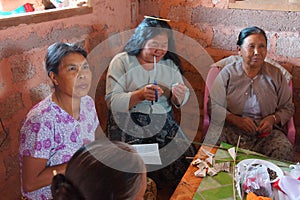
256	179
295	172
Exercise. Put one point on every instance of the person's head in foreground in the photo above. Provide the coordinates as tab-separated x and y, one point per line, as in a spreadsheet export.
97	171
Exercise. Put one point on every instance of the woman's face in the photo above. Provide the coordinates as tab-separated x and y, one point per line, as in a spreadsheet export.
157	46
253	50
74	76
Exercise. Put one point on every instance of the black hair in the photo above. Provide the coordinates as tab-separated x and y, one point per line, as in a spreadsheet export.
148	29
90	174
250	31
63	189
57	51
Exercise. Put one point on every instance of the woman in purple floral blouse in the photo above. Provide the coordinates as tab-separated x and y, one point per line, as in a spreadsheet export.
59	125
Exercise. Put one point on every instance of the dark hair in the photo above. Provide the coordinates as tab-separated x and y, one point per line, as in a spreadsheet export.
63	189
90	173
57	51
250	31
148	29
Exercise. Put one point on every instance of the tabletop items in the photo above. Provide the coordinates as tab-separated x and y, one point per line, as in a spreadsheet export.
206	168
255	177
289	184
270	181
208	165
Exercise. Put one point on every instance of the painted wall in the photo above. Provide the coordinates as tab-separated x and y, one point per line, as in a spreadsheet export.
23	80
216	28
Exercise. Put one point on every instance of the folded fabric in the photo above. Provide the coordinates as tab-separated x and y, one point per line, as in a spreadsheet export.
252	196
290	186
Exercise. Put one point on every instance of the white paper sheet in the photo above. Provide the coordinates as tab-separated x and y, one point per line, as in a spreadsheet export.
149	153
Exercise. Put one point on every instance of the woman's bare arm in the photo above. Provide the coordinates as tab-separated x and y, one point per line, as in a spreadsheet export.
35	175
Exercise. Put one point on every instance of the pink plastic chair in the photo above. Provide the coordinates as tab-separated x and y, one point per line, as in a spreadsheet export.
212	74
290	124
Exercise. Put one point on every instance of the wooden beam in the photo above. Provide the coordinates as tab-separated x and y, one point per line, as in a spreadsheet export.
276	5
43	16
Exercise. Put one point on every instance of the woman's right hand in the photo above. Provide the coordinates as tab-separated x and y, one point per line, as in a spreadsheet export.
244	123
247	124
145	93
149	92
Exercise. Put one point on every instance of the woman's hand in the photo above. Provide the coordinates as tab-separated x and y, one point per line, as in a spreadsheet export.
149	92
247	124
266	125
145	93
178	93
244	123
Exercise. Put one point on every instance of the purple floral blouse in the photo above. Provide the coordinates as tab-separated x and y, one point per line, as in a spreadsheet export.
49	132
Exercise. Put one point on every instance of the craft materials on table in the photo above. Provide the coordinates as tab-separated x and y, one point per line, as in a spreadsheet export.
220	185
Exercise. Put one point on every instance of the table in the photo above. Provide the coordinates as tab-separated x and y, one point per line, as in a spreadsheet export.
189	182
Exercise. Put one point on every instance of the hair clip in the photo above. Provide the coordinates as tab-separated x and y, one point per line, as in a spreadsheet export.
157	18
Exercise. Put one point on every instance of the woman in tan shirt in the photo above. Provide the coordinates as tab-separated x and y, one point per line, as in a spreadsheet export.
251	99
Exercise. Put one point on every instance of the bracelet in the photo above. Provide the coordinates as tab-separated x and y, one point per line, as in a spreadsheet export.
274	117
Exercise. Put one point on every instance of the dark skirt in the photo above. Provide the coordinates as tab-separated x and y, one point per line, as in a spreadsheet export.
174	145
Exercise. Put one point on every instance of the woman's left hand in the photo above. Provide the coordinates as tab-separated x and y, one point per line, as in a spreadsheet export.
266	125
178	93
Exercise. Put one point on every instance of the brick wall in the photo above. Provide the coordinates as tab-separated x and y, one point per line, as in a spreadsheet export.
216	27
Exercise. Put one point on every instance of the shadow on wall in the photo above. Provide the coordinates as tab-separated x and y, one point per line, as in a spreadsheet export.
8	51
100	103
23	82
